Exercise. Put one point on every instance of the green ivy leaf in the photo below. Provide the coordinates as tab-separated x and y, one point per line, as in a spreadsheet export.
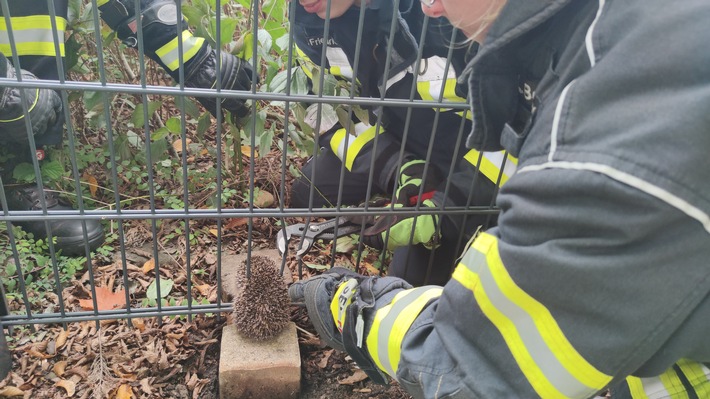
160	134
24	173
193	14
52	170
138	117
166	285
203	123
173	125
317	267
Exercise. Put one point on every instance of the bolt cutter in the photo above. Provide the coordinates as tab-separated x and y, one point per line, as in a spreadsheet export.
310	232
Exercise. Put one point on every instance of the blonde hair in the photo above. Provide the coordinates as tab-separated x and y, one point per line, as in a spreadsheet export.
486	20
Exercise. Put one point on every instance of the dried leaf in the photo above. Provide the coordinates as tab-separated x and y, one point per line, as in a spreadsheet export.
177	145
246	151
324	361
68	386
149	266
59	368
35	353
93	183
233	223
214	232
62	339
124	392
10	391
145	386
357	376
371	270
139	324
204	289
105	300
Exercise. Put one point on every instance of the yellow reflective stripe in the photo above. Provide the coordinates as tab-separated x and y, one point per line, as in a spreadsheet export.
364	134
391	323
673	385
170	55
548	360
34	103
341	300
491	163
636	388
666	385
469	115
33	35
697	375
430	91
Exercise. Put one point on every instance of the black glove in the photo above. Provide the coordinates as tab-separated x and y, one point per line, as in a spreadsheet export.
236	74
316	293
350	300
159	22
44	109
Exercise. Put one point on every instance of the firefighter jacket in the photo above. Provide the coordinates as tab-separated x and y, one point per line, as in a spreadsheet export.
384	71
597	274
38	32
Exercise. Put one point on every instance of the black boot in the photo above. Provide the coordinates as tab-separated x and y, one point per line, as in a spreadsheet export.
69	233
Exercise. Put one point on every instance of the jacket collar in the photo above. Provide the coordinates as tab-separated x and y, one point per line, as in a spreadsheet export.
492	73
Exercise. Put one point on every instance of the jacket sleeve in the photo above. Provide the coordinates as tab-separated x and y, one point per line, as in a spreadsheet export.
43	107
357	144
541	296
474	183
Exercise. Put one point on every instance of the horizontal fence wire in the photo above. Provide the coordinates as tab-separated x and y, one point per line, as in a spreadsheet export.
144	119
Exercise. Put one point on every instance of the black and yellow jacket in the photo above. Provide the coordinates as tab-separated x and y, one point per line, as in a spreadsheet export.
597	274
385	71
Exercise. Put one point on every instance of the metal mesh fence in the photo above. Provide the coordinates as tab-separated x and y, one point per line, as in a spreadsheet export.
165	178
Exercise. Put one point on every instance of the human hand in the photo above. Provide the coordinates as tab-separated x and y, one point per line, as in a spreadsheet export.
318	293
426	230
236	74
412	176
332	295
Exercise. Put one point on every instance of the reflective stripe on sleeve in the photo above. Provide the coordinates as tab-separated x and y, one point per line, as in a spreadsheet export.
364	133
490	164
170	55
698	375
32	35
670	385
552	366
666	385
384	341
34	103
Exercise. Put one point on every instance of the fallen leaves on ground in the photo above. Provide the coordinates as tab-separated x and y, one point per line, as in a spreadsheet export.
10	391
105	300
357	376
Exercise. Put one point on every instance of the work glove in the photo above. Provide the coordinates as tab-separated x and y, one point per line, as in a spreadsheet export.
236	74
426	232
342	305
44	108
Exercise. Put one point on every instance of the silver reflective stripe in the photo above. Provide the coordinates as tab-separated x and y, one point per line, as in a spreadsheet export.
34	41
170	53
338	61
524	325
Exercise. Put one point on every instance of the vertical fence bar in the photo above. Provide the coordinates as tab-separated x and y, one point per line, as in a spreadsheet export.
5	355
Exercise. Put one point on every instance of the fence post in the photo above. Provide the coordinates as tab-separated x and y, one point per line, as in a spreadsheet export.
5	355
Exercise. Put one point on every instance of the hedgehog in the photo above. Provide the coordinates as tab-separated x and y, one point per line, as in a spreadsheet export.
261	307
